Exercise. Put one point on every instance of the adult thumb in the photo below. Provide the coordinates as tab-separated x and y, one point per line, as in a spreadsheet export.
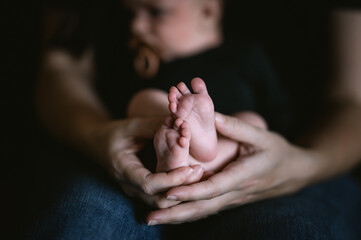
238	130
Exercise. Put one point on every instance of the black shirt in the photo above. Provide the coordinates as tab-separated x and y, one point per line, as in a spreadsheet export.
238	77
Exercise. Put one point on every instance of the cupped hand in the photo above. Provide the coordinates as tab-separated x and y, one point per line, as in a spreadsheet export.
117	144
267	166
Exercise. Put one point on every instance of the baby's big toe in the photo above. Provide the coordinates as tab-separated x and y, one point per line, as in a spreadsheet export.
199	86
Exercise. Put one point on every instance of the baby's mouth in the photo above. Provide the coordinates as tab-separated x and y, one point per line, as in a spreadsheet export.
145	60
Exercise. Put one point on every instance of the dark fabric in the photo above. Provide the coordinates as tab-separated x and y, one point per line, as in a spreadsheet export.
326	211
238	76
90	206
294	35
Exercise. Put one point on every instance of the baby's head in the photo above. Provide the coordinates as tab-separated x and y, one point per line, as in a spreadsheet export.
176	28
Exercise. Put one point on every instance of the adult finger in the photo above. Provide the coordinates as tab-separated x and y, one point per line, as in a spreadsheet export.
236	176
238	130
157	201
192	211
151	183
184	212
214	186
163	181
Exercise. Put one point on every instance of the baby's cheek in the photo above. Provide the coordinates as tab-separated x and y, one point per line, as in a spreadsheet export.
176	39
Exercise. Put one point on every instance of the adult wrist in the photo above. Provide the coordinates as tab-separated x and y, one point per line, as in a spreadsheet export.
316	162
94	138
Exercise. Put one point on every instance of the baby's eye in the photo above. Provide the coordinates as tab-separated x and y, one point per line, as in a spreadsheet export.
155	12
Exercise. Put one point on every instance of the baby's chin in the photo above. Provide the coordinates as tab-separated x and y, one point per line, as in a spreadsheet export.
167	57
184	53
172	57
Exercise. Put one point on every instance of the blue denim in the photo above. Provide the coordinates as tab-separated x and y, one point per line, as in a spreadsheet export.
92	207
330	210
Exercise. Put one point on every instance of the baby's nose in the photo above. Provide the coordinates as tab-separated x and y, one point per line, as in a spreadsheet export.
140	24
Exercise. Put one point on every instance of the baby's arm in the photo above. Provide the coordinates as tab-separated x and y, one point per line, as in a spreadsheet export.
148	103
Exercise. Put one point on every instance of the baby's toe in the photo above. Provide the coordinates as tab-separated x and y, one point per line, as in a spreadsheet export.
199	86
177	123
183	88
173	107
184	142
174	94
185	130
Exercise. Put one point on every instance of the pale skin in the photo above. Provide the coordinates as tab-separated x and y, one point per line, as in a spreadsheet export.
191	116
176	28
70	109
196	109
65	91
278	167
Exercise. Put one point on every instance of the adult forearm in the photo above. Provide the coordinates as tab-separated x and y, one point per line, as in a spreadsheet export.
335	145
66	102
338	140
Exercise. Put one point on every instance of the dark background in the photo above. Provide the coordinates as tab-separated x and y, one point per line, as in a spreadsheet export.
295	37
19	56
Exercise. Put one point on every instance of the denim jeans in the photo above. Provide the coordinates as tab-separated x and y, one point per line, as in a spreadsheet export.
91	206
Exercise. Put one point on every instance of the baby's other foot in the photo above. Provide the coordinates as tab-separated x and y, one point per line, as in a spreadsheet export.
197	109
171	144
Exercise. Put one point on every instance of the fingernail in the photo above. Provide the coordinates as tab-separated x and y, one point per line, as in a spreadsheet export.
152	223
220	118
190	171
199	170
172	198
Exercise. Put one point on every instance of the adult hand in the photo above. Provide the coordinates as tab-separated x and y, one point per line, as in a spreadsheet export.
118	143
270	167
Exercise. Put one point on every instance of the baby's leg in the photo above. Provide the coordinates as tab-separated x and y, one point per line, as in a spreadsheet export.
228	150
198	110
172	145
171	142
148	103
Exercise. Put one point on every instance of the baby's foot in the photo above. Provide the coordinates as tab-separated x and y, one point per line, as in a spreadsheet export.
197	109
171	144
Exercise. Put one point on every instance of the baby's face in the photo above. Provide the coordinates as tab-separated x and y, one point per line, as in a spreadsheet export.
174	28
